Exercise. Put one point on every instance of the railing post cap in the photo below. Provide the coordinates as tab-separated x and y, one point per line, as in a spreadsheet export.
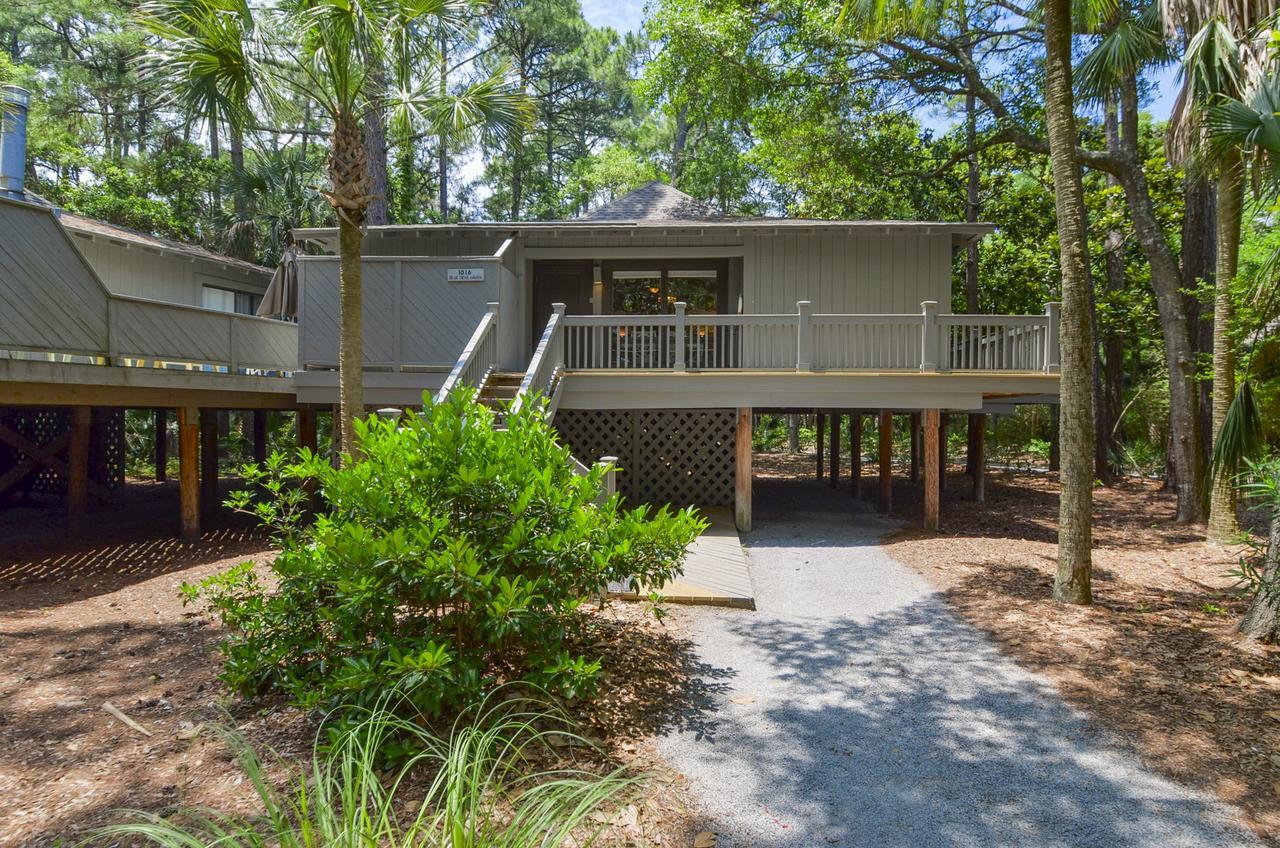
493	305
610	460
558	308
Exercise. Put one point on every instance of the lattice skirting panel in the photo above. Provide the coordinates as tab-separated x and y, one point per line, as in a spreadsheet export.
47	425
672	456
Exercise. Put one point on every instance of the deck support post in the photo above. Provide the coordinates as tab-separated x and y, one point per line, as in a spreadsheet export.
915	446
886	460
78	462
188	472
820	422
307	428
162	444
932	467
835	449
855	454
978	446
742	471
942	449
1055	444
260	436
208	459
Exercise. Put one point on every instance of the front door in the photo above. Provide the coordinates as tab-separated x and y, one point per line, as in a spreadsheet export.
559	282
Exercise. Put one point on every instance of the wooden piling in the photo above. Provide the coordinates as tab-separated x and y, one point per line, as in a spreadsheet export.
886	460
78	462
162	444
932	467
742	471
208	460
855	454
188	472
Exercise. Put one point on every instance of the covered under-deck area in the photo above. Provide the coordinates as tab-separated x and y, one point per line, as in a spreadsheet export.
74	357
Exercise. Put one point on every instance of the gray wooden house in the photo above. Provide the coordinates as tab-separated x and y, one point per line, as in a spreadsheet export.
652	328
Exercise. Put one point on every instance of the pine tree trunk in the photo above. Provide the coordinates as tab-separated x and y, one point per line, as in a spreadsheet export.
1075	513
375	146
1186	450
442	147
240	203
1109	396
793	434
1224	525
1262	620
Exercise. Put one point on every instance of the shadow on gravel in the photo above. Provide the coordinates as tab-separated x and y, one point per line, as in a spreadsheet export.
907	730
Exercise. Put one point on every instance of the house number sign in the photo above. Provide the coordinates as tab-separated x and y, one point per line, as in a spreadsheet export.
466	275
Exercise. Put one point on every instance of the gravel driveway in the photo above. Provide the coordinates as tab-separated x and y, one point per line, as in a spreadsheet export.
856	710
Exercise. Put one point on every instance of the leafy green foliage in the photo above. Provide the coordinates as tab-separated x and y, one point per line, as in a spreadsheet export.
487	790
451	558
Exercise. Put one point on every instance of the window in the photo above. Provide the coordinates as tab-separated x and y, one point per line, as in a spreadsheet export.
654	288
226	300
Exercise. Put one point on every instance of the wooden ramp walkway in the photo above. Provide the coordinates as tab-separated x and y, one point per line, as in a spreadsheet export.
715	570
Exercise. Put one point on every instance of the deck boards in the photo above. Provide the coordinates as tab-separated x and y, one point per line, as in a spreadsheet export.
716	570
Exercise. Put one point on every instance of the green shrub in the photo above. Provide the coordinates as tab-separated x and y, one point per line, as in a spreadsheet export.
451	558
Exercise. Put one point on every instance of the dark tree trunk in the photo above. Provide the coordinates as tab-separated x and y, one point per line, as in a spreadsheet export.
1185	447
1262	620
1199	247
375	147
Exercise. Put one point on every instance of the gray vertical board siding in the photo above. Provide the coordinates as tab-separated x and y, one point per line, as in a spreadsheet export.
861	273
439	316
434	317
462	244
49	297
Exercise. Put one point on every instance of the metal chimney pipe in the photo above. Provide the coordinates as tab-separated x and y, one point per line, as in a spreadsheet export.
13	139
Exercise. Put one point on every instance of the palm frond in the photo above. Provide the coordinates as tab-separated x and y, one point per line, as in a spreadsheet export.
1241	436
1131	45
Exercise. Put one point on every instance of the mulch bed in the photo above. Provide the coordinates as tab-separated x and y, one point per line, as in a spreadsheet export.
93	619
1156	658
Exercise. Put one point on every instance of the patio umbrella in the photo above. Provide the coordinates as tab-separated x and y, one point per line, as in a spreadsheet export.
280	300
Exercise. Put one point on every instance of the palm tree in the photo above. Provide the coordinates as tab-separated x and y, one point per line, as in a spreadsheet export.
322	51
1225	55
874	19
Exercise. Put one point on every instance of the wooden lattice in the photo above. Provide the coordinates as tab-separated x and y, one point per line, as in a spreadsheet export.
672	456
45	425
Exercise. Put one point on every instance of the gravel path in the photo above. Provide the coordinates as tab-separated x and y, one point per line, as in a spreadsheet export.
856	710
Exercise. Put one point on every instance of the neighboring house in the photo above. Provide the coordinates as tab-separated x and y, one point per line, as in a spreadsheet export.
132	263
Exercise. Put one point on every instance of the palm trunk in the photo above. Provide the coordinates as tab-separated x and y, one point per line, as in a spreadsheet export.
348	173
1075	513
1224	525
351	333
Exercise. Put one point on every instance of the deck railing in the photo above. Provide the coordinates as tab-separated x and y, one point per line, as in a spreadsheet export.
137	331
479	358
804	341
543	373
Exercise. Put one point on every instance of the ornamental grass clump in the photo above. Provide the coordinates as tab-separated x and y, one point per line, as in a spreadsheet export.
451	558
486	784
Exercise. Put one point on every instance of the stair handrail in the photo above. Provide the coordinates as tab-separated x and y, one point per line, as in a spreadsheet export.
478	358
547	361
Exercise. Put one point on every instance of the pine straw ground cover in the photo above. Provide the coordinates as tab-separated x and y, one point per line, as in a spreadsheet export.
1156	658
83	623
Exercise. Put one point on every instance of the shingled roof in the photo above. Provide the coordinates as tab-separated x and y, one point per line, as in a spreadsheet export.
655	201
